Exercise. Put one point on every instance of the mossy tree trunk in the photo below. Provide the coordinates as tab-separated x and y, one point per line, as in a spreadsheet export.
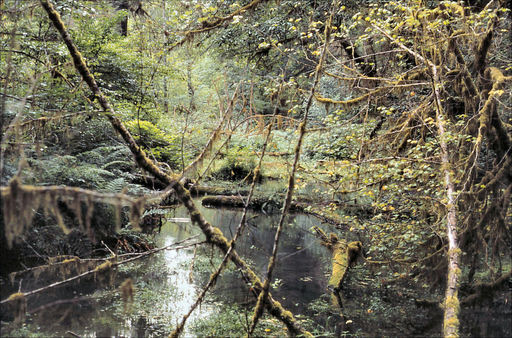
344	255
451	299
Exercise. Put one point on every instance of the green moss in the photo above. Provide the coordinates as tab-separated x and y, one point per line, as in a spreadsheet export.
195	215
217	236
453	303
16	296
339	265
229	321
104	266
457	272
452	322
287	314
237	165
456	251
70	260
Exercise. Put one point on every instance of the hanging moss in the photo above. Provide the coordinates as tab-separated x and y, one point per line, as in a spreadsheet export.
20	203
127	291
16	296
18	304
104	266
146	164
103	273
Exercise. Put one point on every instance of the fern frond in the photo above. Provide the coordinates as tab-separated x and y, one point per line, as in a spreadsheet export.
116	185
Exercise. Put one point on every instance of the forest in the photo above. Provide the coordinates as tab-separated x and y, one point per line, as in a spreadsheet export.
229	168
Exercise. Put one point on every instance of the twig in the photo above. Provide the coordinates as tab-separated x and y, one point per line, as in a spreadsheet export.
207	26
239	230
262	298
111	252
213	234
58	302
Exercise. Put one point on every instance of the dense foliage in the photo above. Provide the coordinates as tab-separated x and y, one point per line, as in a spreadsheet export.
411	123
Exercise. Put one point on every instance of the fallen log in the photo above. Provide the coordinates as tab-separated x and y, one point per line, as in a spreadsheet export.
219	197
213	234
198	190
235	201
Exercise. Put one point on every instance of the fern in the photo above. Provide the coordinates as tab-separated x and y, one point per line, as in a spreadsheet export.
88	176
114	186
118	153
137	190
121	184
91	157
105	154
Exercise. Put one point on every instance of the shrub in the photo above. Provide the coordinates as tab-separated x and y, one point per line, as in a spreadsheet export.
237	165
165	148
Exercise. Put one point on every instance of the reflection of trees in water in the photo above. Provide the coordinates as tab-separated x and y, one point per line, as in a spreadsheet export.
300	272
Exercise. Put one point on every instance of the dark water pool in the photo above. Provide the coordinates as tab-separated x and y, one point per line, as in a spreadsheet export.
166	285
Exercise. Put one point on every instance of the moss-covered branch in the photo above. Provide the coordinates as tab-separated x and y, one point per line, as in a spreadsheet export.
213	235
344	255
239	230
107	265
263	297
20	203
216	23
483	290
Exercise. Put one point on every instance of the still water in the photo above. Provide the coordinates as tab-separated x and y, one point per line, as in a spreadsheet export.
167	284
300	275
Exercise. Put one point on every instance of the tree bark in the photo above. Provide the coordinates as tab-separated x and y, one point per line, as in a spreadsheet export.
451	298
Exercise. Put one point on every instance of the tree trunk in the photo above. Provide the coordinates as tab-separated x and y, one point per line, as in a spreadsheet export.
451	301
451	298
123	25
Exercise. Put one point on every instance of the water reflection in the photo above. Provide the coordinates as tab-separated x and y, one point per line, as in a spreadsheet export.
299	276
166	288
180	263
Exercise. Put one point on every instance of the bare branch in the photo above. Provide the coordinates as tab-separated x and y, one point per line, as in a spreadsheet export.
109	264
